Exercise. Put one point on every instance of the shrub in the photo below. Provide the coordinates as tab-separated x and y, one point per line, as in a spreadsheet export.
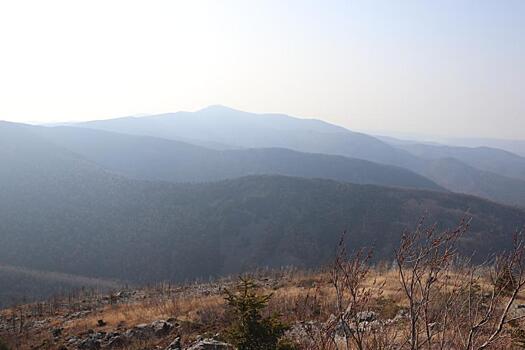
249	329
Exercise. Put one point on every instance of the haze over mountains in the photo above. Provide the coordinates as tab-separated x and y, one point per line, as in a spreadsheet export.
512	146
226	126
484	158
149	158
126	199
489	173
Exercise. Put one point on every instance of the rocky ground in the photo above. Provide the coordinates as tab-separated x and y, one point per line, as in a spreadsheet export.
63	324
194	316
159	317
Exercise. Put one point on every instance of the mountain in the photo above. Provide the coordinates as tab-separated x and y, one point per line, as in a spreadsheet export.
225	126
461	178
60	212
481	171
149	158
516	147
483	158
513	146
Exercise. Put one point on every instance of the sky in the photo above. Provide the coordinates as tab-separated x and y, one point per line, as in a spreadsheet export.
448	67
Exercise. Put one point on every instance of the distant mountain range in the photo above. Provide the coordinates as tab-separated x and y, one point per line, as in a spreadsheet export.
484	158
62	212
156	159
126	199
513	146
496	174
237	129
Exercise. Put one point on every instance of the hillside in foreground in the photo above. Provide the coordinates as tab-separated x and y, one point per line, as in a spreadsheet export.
197	316
430	296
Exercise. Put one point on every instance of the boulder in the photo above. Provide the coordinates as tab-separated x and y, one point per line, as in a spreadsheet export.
161	328
210	344
366	316
142	331
117	341
89	344
174	345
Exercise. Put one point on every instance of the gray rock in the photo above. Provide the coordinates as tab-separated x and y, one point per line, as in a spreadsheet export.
117	341
161	328
210	344
111	335
89	344
366	316
141	331
99	335
123	294
363	321
175	345
73	340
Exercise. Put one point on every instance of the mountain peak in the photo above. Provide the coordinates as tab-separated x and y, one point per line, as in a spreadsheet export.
218	108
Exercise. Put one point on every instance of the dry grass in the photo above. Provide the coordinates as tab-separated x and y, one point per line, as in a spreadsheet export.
132	314
289	291
200	309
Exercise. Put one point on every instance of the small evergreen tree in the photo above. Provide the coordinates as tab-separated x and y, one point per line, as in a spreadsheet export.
3	345
250	330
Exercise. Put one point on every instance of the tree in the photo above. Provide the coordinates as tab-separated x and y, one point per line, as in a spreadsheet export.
3	345
249	329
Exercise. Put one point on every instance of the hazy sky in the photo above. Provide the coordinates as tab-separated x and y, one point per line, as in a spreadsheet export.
436	67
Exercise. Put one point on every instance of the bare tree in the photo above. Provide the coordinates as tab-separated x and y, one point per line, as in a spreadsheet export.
490	314
350	327
423	256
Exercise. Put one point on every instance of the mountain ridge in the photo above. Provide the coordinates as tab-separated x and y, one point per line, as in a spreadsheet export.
62	212
149	158
257	131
